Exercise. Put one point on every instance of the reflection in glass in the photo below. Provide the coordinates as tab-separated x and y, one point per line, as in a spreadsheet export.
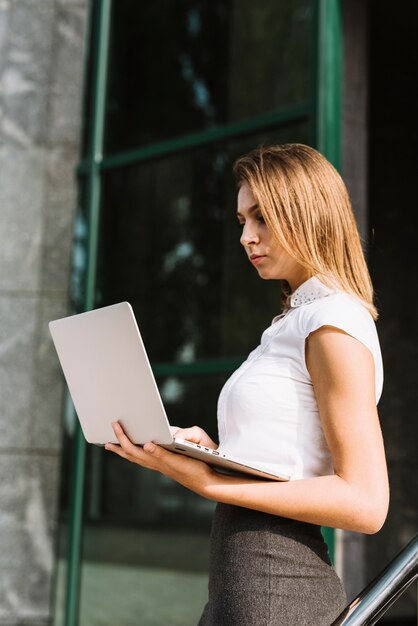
79	251
126	494
169	244
182	67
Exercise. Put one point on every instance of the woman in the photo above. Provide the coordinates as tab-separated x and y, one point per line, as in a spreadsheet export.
304	404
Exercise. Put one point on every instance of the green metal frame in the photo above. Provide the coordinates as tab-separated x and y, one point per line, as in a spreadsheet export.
324	112
329	72
95	149
185	142
329	80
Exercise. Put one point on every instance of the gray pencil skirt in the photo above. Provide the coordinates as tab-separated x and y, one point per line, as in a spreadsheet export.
266	570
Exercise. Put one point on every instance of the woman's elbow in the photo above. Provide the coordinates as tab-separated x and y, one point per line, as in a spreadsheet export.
373	525
375	514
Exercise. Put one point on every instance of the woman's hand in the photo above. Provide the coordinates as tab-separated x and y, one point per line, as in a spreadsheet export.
189	472
195	434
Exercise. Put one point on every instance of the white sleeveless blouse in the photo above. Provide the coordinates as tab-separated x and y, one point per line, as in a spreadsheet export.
267	411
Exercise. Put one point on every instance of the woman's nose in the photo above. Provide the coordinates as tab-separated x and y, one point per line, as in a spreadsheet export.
249	235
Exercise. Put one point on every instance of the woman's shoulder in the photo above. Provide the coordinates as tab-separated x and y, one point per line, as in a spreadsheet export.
341	301
345	312
342	310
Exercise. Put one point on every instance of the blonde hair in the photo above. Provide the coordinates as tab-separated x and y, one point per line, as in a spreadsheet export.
305	203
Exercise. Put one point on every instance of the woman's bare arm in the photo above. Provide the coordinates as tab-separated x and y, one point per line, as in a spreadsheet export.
354	498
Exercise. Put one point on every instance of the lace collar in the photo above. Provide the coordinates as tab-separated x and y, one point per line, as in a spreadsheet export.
309	291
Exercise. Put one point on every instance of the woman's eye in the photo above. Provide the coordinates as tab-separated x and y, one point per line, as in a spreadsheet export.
260	219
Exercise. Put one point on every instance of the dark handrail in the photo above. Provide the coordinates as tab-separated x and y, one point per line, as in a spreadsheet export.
369	606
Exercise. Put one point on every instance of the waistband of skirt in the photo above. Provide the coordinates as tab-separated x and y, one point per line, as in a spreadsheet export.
261	519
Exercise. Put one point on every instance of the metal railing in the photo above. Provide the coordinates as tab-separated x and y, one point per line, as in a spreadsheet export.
369	606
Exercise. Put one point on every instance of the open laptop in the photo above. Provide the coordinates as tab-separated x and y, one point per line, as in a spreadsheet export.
110	378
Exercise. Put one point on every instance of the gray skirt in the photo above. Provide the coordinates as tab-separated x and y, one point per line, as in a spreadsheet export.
267	570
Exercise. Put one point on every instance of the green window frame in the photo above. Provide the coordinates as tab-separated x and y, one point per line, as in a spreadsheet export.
324	114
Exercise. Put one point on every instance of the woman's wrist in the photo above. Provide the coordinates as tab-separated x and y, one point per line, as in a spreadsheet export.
203	482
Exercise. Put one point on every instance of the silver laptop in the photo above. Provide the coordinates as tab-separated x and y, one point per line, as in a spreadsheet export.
110	378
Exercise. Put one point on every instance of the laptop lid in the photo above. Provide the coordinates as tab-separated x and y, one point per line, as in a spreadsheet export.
104	347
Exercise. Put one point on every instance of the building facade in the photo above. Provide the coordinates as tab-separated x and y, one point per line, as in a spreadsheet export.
41	68
119	123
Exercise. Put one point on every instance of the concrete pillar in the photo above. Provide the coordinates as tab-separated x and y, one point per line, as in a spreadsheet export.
41	63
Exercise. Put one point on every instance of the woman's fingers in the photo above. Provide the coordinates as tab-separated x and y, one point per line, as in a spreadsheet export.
118	450
150	456
195	434
124	441
190	434
187	471
187	433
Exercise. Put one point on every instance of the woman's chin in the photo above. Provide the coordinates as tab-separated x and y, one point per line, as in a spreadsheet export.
264	273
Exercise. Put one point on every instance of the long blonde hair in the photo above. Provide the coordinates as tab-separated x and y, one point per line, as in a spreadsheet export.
305	203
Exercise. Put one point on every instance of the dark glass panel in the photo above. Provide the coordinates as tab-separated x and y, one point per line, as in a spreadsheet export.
169	244
79	249
122	493
182	67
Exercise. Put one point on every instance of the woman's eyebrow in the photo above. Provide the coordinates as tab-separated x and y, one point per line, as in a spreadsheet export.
249	210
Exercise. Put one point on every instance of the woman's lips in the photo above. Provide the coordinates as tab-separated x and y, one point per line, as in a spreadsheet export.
256	258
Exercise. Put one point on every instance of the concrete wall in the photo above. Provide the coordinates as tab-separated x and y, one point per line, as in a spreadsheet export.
41	62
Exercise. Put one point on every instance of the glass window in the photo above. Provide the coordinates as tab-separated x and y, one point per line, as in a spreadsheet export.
169	244
182	67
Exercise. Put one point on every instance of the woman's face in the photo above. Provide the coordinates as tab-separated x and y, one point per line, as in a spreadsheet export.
267	256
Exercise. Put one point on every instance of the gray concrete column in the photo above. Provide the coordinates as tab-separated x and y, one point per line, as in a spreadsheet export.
41	62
